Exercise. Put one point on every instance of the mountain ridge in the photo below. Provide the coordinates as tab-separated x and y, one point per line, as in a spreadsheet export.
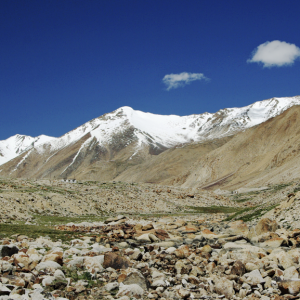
118	144
158	131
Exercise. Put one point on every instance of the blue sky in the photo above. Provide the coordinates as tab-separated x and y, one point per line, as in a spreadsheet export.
63	63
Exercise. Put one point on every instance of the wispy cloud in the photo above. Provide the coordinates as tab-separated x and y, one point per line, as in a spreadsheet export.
173	81
275	54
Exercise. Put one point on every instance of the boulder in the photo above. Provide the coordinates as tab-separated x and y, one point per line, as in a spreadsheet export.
254	278
237	228
209	234
132	290
158	279
206	249
183	293
223	286
290	273
272	243
111	286
182	251
59	275
51	266
136	277
284	259
162	234
112	260
8	250
94	262
114	219
289	286
188	229
238	268
147	227
263	226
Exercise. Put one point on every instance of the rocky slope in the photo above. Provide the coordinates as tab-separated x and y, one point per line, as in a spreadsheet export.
167	258
107	146
266	153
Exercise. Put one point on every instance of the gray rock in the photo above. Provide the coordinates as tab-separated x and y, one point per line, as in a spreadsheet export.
136	277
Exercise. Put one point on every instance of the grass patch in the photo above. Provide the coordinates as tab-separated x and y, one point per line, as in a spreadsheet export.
256	213
242	200
278	187
57	220
241	211
214	209
35	231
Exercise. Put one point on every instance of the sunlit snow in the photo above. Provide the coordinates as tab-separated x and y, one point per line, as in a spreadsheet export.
149	128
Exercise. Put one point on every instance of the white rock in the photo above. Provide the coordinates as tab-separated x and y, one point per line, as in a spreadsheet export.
144	238
170	250
59	275
48	280
94	262
52	266
111	286
131	290
290	273
254	277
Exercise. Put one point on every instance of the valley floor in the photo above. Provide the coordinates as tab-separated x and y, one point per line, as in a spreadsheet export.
116	240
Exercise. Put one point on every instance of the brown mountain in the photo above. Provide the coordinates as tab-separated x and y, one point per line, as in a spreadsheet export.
266	153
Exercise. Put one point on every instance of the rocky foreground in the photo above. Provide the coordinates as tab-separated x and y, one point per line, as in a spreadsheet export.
167	258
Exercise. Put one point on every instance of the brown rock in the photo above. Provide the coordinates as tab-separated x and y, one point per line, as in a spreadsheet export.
289	286
237	228
161	234
147	227
193	279
188	229
224	286
182	251
121	278
206	249
208	234
210	267
183	293
138	227
266	225
238	268
115	261
53	257
21	237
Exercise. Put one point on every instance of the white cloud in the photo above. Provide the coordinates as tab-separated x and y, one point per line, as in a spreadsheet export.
275	53
173	81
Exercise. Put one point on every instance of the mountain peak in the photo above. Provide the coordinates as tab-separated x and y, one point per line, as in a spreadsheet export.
140	129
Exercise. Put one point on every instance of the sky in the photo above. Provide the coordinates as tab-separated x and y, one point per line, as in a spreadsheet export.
63	63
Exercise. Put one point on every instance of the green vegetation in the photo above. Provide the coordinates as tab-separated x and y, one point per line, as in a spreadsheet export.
214	209
296	189
278	187
35	231
242	211
257	214
254	212
242	200
56	220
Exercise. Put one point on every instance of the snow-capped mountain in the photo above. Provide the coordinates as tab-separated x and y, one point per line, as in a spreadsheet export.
172	130
103	137
18	144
